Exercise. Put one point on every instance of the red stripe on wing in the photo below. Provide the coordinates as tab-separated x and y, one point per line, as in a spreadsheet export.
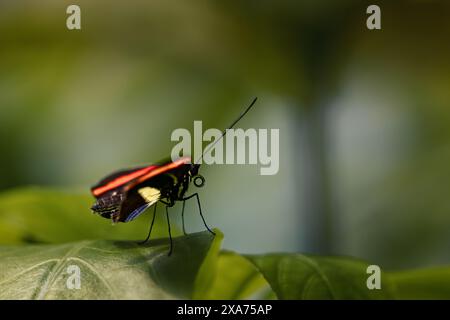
121	180
159	170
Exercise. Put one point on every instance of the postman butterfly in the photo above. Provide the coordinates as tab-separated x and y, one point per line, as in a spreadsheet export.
124	195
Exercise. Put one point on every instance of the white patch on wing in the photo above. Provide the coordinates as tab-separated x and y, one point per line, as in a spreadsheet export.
150	195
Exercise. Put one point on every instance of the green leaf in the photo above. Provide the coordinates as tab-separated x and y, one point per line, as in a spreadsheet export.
235	277
52	216
108	269
433	283
197	269
296	276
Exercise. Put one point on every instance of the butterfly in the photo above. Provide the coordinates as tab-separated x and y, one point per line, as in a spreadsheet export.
124	195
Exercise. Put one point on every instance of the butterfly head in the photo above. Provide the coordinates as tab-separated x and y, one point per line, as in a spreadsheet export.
199	180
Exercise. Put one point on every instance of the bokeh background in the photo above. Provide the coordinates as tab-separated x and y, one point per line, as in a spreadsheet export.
364	116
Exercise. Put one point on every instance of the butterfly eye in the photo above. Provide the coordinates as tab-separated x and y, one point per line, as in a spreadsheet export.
199	181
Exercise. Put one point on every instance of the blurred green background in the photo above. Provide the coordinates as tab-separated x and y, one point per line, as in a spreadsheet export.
364	116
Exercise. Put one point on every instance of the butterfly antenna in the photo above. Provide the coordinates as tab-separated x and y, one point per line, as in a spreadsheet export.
228	128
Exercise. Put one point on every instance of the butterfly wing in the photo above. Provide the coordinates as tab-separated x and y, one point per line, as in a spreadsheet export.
119	179
137	200
108	204
158	171
125	194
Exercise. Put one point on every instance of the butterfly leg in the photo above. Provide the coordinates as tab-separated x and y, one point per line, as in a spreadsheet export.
151	226
200	210
170	234
182	218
